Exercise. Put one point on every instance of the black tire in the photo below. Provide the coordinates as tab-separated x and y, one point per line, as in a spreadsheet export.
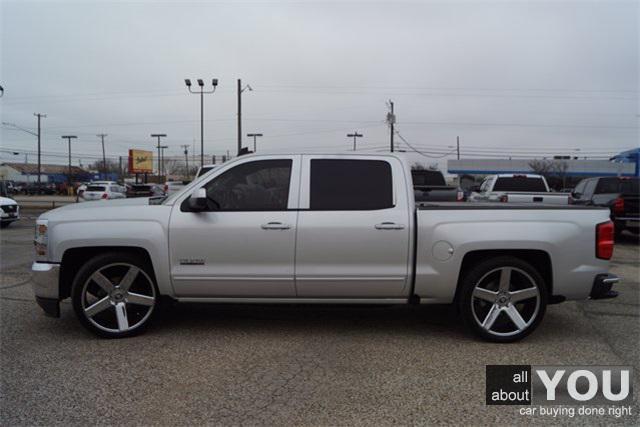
5	224
490	306
121	313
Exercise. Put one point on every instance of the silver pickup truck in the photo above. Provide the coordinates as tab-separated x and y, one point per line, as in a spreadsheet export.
518	188
309	228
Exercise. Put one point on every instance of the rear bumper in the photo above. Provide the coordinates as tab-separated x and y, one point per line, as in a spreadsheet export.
601	288
45	278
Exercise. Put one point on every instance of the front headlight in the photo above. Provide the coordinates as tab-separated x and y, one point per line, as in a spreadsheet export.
41	239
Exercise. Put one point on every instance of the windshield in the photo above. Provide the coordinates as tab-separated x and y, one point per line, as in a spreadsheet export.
519	183
95	188
141	187
617	185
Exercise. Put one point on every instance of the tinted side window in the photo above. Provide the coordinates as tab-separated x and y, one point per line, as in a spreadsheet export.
343	184
255	186
607	185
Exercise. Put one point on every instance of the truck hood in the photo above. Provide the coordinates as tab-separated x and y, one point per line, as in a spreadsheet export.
107	209
4	201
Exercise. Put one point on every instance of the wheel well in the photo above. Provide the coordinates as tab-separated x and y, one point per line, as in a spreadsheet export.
74	258
537	258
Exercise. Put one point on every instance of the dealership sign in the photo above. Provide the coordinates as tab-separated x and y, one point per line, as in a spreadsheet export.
140	161
558	385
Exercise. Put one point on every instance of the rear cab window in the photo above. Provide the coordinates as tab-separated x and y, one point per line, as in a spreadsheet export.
96	188
521	183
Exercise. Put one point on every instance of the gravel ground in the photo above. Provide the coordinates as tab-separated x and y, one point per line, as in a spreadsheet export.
317	365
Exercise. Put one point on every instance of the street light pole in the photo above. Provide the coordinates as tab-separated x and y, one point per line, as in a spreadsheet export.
162	147
240	90
68	138
159	135
354	135
214	83
254	135
186	160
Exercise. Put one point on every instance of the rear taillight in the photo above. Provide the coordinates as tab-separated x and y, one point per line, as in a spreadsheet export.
504	198
166	188
460	196
105	196
604	240
618	206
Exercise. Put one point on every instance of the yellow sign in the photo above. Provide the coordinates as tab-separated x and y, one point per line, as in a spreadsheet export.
140	161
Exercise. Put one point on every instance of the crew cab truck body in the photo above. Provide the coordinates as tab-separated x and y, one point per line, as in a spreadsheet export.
620	194
310	228
518	188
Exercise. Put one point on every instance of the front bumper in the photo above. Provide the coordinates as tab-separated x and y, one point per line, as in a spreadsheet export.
601	288
45	278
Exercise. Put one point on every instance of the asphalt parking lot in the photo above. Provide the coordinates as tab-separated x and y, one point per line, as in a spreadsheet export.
317	365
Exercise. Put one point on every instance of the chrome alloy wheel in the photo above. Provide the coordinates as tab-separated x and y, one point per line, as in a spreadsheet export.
118	297
505	301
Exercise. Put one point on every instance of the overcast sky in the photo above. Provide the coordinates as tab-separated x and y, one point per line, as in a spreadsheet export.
516	78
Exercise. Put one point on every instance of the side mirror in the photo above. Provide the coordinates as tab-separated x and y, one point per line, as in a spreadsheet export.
198	200
575	194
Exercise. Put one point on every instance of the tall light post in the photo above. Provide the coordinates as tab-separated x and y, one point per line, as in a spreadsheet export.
162	147
254	135
354	135
69	138
214	83
240	90
158	135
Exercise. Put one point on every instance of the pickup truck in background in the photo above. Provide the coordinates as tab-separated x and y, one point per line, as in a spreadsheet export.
9	209
430	186
620	194
312	228
517	188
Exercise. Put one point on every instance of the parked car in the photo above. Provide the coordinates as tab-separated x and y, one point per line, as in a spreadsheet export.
620	194
430	186
144	190
171	187
517	188
39	189
204	169
340	229
9	209
102	192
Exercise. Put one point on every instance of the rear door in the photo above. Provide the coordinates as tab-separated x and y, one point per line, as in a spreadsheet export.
353	228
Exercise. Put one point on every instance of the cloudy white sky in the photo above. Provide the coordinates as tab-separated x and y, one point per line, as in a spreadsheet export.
510	78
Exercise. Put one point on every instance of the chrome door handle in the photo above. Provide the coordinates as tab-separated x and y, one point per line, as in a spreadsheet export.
389	226
275	226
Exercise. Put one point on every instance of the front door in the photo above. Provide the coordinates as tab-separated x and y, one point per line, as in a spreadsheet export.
244	245
353	228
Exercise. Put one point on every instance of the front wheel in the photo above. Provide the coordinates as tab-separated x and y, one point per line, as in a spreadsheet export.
503	299
114	295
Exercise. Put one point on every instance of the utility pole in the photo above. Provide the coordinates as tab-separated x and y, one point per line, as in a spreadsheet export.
186	160
391	119
458	146
68	138
214	83
240	90
354	135
104	158
254	135
159	135
39	116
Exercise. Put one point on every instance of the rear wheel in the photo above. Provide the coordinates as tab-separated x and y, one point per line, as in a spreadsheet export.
4	224
114	295
503	299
